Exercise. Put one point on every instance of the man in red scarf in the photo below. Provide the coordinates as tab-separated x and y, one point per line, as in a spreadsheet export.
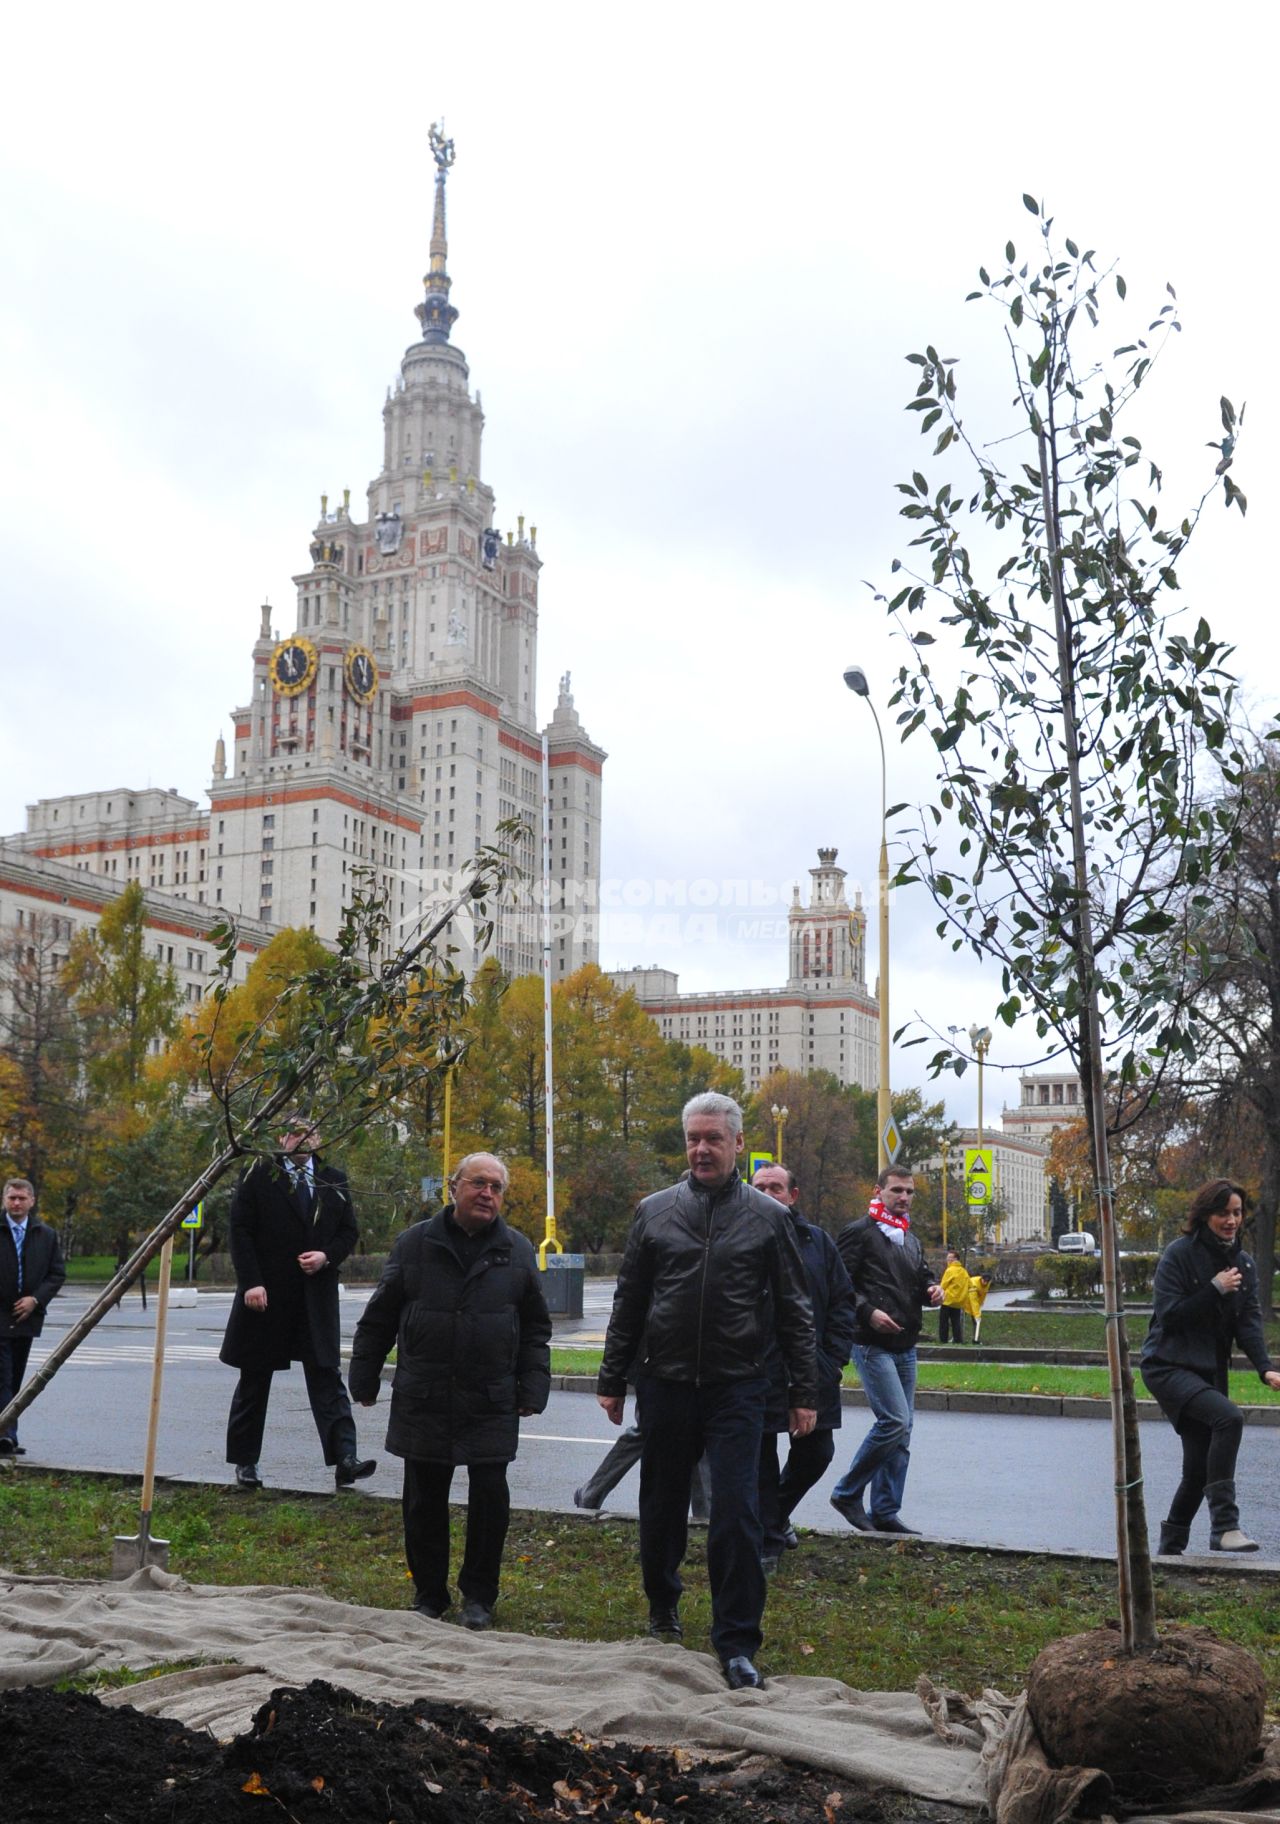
891	1283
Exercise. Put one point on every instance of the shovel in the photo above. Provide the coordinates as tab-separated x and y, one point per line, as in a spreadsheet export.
132	1552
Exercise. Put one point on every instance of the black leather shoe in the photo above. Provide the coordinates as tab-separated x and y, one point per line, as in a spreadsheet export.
352	1469
894	1525
790	1540
429	1609
247	1475
854	1512
665	1622
476	1616
741	1675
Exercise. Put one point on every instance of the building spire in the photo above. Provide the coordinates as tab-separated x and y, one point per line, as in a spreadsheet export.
435	313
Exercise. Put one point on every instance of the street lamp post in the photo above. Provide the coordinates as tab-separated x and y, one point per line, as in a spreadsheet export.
856	678
980	1039
946	1154
779	1122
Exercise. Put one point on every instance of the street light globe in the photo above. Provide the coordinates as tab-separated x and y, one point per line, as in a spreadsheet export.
856	678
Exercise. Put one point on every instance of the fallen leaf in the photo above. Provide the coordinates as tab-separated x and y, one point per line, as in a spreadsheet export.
317	1785
805	1648
833	1803
432	1787
254	1784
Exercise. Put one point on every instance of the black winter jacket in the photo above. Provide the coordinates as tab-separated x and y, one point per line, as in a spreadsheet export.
885	1277
831	1295
1194	1325
707	1279
43	1275
472	1344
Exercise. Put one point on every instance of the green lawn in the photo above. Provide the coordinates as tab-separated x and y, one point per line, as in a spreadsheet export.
875	1615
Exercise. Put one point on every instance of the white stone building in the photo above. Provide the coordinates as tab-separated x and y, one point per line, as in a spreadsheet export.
1048	1100
389	726
825	1018
1018	1182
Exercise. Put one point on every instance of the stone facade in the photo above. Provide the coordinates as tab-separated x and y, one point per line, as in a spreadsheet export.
825	1018
1048	1100
389	727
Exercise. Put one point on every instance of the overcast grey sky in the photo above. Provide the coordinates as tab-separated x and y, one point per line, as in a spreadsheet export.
690	246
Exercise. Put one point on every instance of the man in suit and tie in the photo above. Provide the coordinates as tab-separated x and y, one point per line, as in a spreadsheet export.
31	1273
292	1225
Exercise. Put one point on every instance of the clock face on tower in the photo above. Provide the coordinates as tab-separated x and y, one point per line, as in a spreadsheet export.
361	673
292	666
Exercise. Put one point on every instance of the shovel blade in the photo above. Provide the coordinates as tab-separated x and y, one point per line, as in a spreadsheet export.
132	1552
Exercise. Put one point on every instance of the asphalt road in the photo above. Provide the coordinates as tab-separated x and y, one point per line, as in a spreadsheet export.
983	1479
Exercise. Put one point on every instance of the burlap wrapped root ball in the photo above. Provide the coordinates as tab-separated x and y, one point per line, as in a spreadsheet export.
1185	1714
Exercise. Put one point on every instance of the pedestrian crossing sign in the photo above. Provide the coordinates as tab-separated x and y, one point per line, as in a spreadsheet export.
755	1161
977	1174
195	1220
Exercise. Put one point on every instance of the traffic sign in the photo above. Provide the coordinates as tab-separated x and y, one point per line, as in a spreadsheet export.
755	1161
977	1174
196	1218
891	1140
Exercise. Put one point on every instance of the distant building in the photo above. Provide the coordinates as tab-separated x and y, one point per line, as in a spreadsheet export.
825	1018
390	722
1049	1099
43	904
1018	1182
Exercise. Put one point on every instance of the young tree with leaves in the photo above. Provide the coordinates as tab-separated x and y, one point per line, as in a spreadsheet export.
1068	840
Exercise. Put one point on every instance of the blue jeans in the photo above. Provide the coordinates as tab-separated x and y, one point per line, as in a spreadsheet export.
679	1422
889	1381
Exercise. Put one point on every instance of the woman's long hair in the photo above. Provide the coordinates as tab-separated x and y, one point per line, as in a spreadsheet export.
1210	1200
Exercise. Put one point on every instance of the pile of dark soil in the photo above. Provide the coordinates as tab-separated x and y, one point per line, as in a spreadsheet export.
322	1753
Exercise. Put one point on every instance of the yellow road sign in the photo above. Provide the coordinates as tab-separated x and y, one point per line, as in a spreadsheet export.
977	1174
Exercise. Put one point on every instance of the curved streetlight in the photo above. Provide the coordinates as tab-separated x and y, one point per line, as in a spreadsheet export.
856	678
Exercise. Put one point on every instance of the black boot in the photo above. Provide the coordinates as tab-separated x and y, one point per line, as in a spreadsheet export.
1224	1520
1173	1539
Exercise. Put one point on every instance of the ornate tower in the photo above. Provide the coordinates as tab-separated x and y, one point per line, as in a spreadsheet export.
828	938
395	727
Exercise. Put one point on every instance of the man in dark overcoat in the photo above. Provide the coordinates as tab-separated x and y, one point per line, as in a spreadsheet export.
461	1301
292	1225
31	1273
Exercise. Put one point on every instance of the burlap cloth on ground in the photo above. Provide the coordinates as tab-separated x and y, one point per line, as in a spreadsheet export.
932	1743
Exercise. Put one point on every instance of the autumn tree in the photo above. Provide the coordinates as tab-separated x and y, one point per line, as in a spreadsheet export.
127	1002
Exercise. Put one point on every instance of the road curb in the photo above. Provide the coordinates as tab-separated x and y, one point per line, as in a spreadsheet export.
1025	1405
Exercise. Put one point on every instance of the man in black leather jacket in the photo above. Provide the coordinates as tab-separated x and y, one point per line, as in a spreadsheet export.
710	1275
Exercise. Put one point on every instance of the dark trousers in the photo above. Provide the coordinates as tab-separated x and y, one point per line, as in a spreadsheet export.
14	1351
781	1490
622	1457
1210	1428
950	1324
330	1408
425	1506
680	1422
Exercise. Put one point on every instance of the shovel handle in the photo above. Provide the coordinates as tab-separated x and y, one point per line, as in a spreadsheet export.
157	1380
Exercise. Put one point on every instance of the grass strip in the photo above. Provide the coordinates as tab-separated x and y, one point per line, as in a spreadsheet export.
872	1614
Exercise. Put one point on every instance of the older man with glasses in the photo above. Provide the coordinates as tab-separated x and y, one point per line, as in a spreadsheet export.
461	1301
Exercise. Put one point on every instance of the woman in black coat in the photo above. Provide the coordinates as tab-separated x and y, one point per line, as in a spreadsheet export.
1206	1299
